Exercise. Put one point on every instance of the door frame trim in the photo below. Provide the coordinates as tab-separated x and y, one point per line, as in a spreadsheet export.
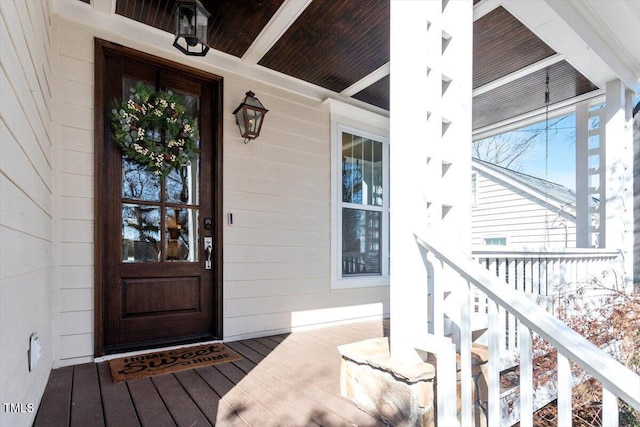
104	48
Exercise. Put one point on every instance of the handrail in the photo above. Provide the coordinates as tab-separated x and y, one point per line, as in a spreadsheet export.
568	343
544	252
543	274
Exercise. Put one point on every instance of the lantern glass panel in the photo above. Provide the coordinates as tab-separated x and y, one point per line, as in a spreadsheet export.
201	26
241	121
185	20
253	120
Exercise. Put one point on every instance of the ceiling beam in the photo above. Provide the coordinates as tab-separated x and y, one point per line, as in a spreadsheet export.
130	33
536	116
366	81
108	7
277	26
484	7
563	29
537	66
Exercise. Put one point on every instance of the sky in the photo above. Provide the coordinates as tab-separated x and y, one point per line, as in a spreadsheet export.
562	154
561	151
562	157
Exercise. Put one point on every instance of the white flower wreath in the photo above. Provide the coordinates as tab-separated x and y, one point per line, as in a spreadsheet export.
153	130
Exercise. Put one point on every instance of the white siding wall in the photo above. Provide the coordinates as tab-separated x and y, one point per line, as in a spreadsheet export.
276	254
74	317
26	203
506	211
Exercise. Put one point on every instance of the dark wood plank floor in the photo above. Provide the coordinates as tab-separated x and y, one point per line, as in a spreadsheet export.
282	380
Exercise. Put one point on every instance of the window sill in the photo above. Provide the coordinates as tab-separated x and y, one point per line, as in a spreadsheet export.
360	282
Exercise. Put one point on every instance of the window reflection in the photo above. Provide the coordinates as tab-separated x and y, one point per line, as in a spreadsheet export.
160	216
181	185
361	232
138	183
182	238
361	170
140	233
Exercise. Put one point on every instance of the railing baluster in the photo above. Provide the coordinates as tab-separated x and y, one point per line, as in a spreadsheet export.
494	365
513	343
501	269
540	275
466	370
446	383
609	408
564	391
526	378
564	274
437	288
534	276
542	284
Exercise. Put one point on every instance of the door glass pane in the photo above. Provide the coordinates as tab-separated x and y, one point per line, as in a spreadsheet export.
361	232
190	102
138	183
181	234
153	231
182	186
140	233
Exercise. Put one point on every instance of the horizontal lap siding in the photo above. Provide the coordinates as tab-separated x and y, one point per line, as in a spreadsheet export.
277	252
76	196
277	188
26	201
506	211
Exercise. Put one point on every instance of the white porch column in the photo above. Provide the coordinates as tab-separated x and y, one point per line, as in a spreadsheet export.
430	132
583	209
590	176
618	163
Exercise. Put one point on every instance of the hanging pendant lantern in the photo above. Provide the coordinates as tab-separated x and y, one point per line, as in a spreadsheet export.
191	28
249	117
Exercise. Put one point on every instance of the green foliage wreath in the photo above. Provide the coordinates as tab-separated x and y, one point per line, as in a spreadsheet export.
153	130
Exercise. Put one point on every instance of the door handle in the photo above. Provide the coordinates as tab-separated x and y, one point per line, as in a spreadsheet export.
208	251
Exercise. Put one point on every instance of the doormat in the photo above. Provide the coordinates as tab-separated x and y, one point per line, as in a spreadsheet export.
168	361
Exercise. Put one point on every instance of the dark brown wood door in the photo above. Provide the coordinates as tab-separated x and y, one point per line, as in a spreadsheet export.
159	238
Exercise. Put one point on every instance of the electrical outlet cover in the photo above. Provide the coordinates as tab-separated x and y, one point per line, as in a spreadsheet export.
35	351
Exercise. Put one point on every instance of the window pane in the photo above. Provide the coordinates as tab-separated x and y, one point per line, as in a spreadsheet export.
182	185
495	241
361	170
182	234
138	183
140	233
361	250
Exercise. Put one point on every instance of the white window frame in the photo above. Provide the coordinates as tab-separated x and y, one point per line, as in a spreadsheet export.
495	236
356	121
474	189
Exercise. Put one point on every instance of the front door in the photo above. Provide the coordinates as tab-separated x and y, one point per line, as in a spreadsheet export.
158	237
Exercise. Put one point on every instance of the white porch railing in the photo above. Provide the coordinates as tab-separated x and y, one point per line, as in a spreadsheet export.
542	275
617	380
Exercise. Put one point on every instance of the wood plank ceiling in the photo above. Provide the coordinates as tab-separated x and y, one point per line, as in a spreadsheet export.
336	43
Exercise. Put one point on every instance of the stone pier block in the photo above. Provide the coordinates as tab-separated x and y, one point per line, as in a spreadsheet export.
399	394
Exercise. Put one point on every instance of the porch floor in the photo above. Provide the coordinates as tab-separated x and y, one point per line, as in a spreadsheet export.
282	380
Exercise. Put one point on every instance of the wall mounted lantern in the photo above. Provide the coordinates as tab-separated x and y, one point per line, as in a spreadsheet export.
249	117
191	28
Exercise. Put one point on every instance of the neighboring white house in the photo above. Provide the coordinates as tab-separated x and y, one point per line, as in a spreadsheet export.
510	208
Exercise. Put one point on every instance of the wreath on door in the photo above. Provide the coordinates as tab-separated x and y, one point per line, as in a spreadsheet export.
154	130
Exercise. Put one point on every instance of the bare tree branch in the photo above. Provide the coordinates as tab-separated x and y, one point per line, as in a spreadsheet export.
503	150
